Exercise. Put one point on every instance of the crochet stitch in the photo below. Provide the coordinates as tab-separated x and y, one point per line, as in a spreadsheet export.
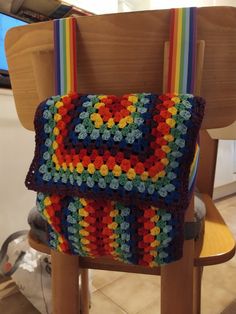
114	175
136	149
145	236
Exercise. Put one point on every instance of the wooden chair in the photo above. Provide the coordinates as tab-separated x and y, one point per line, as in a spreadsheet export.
120	53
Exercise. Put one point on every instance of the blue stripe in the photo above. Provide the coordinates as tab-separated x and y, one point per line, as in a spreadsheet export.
194	172
191	54
61	49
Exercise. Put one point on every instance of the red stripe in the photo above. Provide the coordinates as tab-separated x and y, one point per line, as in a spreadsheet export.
172	24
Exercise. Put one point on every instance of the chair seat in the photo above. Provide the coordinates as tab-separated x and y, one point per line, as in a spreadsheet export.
215	245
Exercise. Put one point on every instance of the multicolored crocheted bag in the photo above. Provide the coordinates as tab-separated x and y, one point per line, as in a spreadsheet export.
114	175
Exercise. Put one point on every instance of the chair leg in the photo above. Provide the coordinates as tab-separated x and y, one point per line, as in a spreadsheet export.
197	289
65	287
177	284
85	297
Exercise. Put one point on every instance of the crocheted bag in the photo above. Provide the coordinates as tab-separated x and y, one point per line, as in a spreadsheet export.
114	174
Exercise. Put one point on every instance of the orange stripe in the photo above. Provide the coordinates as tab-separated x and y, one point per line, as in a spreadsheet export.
178	51
72	58
74	51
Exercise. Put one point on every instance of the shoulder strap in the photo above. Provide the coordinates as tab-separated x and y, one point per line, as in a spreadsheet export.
182	52
181	71
182	63
65	56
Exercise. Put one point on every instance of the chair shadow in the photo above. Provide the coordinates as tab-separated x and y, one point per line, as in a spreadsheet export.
230	309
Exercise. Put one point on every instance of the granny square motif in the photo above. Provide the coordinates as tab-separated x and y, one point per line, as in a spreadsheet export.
137	148
146	236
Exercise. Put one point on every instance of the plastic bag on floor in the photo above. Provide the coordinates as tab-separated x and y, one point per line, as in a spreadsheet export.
31	270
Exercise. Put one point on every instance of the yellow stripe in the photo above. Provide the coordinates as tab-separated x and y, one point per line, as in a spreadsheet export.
194	160
178	50
68	59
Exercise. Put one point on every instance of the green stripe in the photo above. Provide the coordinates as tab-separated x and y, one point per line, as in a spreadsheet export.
64	57
183	43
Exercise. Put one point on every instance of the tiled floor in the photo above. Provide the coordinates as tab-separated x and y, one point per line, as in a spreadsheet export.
119	293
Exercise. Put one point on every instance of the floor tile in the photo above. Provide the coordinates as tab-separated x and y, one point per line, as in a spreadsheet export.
221	276
7	288
17	304
101	278
134	292
153	308
215	298
101	304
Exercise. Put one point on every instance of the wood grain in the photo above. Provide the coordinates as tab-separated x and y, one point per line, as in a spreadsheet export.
122	53
173	274
65	286
227	133
85	298
217	244
207	163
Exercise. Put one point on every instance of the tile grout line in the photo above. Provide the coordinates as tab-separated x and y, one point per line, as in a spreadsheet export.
112	301
139	312
149	304
109	282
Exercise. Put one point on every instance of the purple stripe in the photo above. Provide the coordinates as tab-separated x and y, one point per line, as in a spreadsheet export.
194	46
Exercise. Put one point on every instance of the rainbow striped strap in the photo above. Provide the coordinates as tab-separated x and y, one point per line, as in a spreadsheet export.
181	70
194	167
182	56
182	52
65	56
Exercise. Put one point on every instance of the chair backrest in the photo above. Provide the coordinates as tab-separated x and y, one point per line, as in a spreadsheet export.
122	53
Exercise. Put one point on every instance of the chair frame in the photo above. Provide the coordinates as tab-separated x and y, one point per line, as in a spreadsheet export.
30	57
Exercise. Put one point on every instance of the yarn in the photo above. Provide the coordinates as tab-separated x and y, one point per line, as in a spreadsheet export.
136	149
115	175
145	236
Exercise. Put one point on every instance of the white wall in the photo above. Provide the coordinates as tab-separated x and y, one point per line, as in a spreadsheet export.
96	6
16	151
225	166
114	6
156	4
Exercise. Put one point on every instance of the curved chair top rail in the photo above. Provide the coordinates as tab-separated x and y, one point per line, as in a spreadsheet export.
122	53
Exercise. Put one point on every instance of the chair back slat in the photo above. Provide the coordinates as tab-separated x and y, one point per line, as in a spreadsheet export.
122	53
